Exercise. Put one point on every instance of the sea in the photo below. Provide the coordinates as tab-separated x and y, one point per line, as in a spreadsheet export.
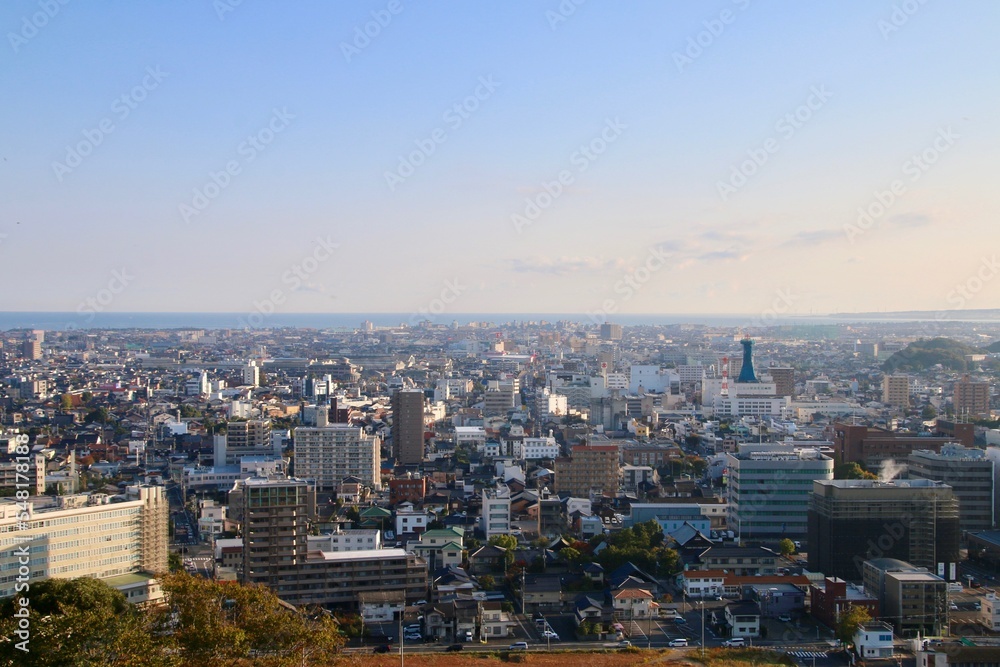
54	321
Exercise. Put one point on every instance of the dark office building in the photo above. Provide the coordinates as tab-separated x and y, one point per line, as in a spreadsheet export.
853	520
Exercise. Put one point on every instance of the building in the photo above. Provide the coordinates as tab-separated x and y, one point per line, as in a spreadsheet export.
969	473
31	349
743	619
871	446
611	331
407	489
495	517
747	374
769	489
912	599
499	398
84	535
251	374
958	655
408	426
853	520
245	438
873	640
591	470
345	540
971	399
276	516
836	597
328	454
896	391
783	379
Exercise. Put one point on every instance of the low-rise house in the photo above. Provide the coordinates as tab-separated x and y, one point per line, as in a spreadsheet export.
381	606
632	603
743	618
542	592
494	622
873	640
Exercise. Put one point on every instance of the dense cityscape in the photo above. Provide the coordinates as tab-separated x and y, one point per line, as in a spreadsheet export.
521	485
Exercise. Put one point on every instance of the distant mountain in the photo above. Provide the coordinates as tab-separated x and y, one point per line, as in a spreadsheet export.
964	314
923	354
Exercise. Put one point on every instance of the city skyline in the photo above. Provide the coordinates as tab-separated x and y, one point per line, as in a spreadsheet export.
553	158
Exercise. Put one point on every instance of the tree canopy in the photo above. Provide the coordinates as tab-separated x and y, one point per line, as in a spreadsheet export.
86	622
642	545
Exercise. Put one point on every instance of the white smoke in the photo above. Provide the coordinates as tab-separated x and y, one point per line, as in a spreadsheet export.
890	470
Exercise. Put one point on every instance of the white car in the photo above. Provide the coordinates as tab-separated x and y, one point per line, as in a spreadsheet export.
675	643
550	634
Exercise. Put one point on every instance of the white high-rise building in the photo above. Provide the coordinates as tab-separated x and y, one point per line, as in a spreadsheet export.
495	517
328	454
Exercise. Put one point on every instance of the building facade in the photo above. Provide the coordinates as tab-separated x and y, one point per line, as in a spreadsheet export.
590	470
408	426
331	453
85	535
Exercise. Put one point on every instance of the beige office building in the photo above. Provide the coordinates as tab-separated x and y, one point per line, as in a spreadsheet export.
85	535
896	391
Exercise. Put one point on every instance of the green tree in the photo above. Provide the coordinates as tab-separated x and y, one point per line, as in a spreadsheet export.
487	582
852	471
849	622
786	547
508	542
928	412
570	555
66	402
174	561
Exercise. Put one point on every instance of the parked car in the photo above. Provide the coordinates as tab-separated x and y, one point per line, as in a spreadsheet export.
680	641
453	648
785	618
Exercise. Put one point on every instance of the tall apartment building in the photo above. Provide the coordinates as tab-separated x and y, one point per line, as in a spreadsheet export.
590	470
969	473
85	535
853	520
971	398
276	552
251	374
495	517
896	391
328	454
611	331
31	348
769	489
408	426
245	438
783	379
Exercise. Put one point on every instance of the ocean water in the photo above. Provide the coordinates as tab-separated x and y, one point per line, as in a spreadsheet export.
53	321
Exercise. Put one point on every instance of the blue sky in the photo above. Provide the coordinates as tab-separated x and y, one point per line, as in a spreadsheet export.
312	118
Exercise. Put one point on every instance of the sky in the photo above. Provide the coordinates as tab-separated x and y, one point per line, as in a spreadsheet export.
728	156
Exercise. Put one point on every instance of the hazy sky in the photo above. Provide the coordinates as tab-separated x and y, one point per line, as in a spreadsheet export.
642	157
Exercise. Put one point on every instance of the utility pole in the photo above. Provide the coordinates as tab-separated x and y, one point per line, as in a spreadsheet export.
703	628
